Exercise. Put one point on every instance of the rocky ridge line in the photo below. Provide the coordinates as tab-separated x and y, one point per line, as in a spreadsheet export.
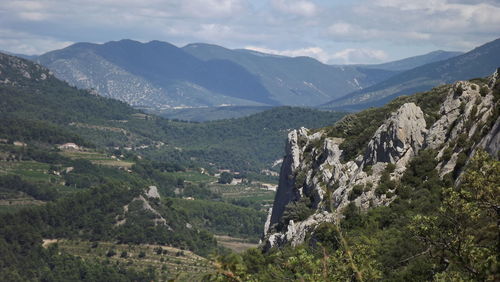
313	168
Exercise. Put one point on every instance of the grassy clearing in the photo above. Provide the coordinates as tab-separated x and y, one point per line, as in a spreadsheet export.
97	158
166	262
11	202
193	176
29	170
236	244
251	192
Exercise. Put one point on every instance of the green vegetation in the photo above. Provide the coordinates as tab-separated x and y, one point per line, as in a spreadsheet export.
162	261
430	232
225	178
44	110
253	195
222	218
296	211
357	129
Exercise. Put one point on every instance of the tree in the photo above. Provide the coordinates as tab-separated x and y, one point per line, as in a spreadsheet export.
464	236
225	178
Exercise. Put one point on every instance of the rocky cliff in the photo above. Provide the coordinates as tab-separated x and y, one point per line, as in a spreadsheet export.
318	181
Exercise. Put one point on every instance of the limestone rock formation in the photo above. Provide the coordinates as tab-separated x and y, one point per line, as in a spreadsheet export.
317	182
399	138
150	194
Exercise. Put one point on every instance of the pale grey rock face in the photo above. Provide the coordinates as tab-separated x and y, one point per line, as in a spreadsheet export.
297	232
21	68
399	138
285	194
152	192
491	142
457	111
268	220
454	113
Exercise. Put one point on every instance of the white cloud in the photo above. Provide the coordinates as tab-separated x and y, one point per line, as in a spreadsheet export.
345	56
316	28
356	56
296	7
447	16
33	16
346	31
213	8
29	44
313	52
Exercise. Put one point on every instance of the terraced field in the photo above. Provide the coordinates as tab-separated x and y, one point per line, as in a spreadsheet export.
97	158
255	193
167	262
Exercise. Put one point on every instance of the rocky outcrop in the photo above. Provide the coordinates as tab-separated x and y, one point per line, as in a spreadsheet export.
399	138
296	232
150	194
491	142
291	163
17	71
313	173
312	168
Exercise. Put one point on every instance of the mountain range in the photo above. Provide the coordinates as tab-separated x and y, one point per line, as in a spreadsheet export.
478	62
158	75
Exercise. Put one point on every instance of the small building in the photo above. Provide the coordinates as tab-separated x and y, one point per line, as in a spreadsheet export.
20	144
69	146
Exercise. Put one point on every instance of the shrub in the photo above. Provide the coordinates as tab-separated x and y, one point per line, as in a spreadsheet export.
390	167
297	211
368	169
356	191
159	251
459	90
484	91
111	253
447	154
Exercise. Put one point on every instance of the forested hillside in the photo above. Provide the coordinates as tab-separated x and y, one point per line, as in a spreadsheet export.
61	181
248	144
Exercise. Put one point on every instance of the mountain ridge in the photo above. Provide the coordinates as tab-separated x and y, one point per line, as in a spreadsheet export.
415	61
478	62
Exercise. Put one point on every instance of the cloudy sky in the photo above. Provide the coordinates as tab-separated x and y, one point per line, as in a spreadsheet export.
332	31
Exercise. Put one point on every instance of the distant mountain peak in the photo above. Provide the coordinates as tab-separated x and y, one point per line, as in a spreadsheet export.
478	62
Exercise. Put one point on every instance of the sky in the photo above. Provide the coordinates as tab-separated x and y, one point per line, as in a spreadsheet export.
332	31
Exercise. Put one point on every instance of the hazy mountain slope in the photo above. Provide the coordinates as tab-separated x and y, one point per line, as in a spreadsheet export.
294	81
29	91
160	75
478	62
211	113
155	74
416	61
